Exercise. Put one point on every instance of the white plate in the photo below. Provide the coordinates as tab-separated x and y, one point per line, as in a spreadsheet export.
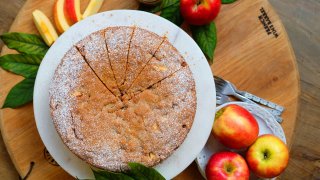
205	89
267	125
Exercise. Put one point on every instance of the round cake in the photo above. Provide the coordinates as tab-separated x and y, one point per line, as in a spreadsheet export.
122	94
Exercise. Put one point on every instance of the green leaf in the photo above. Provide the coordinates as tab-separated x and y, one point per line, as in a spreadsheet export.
159	7
141	172
105	175
22	64
32	59
206	38
170	10
151	9
20	94
227	1
25	43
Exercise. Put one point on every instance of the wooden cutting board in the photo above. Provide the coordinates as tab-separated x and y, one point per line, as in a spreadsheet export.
253	52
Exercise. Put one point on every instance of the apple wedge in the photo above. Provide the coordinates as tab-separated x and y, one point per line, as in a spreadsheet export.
59	16
45	27
72	10
92	8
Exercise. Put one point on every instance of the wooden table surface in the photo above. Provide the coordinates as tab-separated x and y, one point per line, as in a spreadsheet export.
301	22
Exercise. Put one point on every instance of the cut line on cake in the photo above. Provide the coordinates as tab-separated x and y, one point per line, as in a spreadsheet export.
145	65
152	85
115	66
98	59
85	60
123	88
125	74
114	77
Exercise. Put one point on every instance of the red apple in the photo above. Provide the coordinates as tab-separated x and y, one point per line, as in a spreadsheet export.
235	127
59	16
227	165
72	10
268	156
199	12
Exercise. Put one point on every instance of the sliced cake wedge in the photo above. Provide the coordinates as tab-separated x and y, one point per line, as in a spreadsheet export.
143	46
118	41
164	114
94	50
165	62
82	110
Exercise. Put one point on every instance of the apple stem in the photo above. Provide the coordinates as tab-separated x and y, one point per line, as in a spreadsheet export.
219	113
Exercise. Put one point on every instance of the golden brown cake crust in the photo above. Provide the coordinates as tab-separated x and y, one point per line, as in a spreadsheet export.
143	46
165	113
107	131
94	50
165	62
118	42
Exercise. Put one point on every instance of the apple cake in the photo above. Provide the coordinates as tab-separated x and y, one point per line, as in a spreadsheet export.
122	94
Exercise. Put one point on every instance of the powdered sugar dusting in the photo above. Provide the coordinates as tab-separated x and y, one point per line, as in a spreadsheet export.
94	49
142	47
147	40
167	60
107	132
117	40
64	80
77	100
172	103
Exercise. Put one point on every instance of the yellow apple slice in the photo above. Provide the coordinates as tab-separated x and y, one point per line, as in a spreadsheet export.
72	10
45	27
60	17
92	8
